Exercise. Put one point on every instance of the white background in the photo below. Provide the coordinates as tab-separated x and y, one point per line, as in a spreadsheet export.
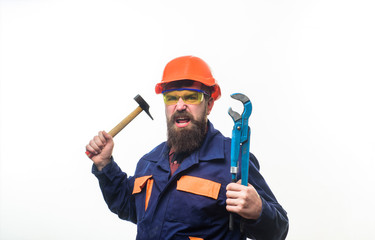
71	68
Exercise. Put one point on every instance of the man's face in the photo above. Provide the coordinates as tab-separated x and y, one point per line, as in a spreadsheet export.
187	122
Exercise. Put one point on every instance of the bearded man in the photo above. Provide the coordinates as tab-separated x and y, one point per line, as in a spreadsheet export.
182	189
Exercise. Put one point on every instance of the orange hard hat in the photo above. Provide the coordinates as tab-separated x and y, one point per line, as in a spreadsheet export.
189	68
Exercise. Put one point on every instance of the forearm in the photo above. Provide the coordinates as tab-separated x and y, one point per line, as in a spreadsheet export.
116	189
272	224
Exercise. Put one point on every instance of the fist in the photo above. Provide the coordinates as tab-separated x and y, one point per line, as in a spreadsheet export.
100	149
243	200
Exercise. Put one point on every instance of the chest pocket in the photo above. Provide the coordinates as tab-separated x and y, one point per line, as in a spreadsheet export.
199	186
196	202
140	183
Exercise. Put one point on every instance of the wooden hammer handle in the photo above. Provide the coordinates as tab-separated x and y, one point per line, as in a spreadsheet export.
125	121
121	125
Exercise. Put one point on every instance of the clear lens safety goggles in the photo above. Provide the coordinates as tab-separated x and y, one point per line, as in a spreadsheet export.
188	95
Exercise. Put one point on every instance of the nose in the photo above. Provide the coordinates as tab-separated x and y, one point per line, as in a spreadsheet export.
180	105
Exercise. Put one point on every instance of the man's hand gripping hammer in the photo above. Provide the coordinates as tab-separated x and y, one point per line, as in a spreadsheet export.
143	106
240	142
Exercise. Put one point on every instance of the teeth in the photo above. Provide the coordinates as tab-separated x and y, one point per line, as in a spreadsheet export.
182	120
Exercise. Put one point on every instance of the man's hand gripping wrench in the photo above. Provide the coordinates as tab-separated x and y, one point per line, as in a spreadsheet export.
240	137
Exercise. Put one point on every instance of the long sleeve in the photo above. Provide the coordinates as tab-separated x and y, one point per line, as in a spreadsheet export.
273	223
117	188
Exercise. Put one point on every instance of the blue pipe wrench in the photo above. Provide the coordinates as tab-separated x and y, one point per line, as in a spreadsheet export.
240	142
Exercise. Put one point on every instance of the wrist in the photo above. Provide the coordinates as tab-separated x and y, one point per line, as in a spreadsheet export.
101	164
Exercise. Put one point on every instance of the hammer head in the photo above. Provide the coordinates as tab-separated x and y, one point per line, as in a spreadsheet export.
143	104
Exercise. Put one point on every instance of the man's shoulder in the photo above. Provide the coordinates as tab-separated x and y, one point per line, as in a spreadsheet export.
215	134
156	152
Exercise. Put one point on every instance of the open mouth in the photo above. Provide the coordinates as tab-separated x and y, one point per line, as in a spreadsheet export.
182	121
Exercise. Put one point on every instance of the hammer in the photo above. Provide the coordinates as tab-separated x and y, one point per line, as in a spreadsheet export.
143	106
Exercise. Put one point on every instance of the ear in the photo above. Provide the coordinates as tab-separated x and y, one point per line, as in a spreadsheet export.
210	104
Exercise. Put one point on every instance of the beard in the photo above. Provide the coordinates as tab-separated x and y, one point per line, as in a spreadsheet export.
188	139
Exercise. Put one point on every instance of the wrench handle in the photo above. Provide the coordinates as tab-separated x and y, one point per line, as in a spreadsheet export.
231	216
231	222
121	125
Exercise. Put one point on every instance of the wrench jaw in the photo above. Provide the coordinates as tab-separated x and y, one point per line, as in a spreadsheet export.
248	107
234	115
240	97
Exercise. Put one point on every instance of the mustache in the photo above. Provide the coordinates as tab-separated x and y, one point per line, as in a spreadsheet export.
182	115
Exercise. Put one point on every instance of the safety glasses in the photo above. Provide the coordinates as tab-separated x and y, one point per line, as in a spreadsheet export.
188	95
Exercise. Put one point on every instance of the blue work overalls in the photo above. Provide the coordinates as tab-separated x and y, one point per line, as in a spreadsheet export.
191	204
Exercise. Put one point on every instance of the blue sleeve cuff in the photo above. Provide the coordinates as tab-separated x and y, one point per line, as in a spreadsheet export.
109	171
272	223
